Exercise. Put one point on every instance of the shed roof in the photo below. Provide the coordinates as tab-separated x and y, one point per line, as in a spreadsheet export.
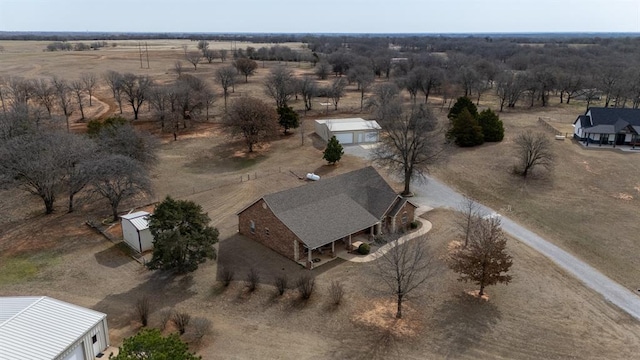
139	219
41	327
332	208
350	124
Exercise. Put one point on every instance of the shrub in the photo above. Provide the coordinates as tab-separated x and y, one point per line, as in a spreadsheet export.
336	291
253	278
165	316
414	224
200	327
143	308
492	127
226	276
181	320
281	284
364	249
305	286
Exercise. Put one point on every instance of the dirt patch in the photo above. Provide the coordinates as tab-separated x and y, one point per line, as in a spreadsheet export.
381	316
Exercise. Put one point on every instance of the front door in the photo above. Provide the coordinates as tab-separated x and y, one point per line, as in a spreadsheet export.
620	139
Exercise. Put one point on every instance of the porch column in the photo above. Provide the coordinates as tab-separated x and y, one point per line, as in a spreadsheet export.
333	249
379	228
310	260
634	138
615	140
349	248
296	252
586	140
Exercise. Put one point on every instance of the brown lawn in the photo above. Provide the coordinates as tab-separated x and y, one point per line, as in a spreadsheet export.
586	206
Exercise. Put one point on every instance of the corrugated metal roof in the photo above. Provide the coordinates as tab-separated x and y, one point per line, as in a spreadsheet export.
41	327
350	124
139	219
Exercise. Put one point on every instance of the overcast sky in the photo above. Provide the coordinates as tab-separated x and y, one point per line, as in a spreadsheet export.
325	16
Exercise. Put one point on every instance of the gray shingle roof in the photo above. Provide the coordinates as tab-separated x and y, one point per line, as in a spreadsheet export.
610	116
335	207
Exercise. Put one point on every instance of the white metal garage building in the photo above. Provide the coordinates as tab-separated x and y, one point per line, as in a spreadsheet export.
42	328
348	131
135	231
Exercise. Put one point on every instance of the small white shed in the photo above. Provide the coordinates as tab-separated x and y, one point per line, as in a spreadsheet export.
45	328
135	231
349	131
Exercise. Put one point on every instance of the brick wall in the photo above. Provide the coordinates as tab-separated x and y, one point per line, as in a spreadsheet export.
279	238
410	209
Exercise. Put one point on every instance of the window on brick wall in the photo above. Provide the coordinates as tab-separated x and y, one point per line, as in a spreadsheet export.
405	218
252	226
266	231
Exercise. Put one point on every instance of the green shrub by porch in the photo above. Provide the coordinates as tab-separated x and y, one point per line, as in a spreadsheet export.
364	249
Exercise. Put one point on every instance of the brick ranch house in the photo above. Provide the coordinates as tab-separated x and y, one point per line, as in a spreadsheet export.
320	215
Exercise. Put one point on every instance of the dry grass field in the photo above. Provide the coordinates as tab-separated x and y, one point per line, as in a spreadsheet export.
543	313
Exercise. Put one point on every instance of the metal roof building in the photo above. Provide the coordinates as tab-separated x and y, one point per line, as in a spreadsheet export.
42	328
135	231
348	131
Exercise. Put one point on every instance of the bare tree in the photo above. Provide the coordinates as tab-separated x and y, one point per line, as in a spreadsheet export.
77	164
533	150
308	89
485	260
160	100
114	81
20	91
35	163
246	67
77	88
194	58
227	78
177	68
336	91
130	142
119	177
90	82
253	119
63	92
280	85
469	213
509	89
45	94
364	77
405	268
323	69
223	55
210	55
135	89
411	141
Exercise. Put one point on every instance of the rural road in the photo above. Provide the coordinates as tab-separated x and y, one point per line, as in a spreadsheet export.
435	194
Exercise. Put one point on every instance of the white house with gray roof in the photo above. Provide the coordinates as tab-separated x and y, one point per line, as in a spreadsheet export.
608	126
42	328
319	216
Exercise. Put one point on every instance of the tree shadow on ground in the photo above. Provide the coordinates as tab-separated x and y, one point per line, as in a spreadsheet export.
113	256
365	343
463	321
163	288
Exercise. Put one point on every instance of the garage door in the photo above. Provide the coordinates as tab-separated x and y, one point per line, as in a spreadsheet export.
345	138
77	354
371	136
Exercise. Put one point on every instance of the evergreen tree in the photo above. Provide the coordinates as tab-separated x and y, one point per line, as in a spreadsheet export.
462	103
492	127
288	118
465	130
182	238
334	151
150	344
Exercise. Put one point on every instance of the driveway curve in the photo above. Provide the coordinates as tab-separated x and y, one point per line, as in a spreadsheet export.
435	194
